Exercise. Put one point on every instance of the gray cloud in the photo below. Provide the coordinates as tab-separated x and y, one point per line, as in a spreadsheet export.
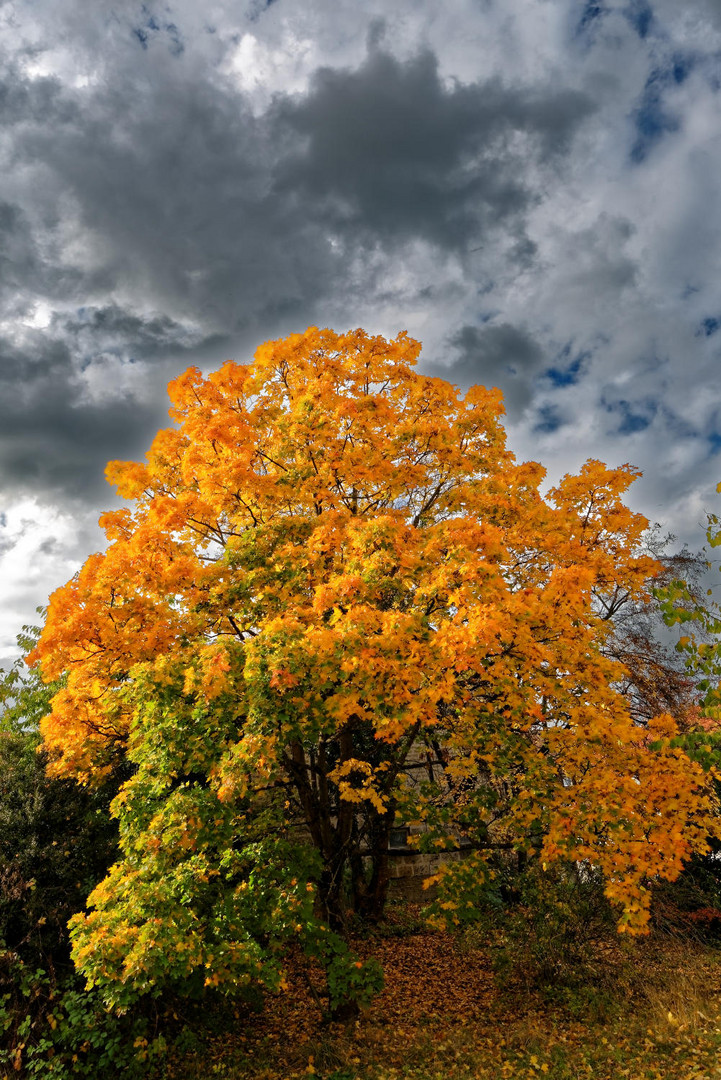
19	259
191	223
189	197
504	356
529	189
51	439
112	328
392	153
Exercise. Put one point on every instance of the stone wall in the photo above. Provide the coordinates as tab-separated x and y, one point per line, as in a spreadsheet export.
410	869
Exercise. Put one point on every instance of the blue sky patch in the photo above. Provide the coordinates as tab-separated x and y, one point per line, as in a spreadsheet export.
633	422
151	27
652	120
549	420
569	374
592	10
640	15
681	69
257	7
633	415
708	327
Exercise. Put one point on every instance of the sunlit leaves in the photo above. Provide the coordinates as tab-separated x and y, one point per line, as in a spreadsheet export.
335	574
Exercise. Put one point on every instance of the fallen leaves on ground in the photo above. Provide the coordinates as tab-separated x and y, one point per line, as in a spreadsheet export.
657	1014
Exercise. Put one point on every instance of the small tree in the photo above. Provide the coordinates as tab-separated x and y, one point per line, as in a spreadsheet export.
655	676
683	604
333	564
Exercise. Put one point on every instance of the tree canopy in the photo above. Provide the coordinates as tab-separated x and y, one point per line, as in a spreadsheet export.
336	597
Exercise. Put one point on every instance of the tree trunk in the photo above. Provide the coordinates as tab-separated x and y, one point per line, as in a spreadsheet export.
344	1012
370	893
330	893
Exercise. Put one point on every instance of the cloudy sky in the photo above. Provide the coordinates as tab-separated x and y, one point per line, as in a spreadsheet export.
530	187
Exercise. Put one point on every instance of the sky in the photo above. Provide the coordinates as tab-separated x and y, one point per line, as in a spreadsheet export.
529	187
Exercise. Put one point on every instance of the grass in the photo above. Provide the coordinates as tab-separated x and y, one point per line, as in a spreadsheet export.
648	1009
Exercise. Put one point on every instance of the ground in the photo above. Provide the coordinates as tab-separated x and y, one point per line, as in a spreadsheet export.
643	1008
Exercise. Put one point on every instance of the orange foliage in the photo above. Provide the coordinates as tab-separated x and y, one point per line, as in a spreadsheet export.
358	538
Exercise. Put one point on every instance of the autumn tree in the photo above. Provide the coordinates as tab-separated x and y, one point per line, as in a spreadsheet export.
332	567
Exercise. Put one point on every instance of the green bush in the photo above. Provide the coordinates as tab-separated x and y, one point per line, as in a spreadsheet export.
690	907
544	924
57	841
50	1026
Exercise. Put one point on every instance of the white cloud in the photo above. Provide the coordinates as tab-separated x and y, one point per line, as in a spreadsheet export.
40	548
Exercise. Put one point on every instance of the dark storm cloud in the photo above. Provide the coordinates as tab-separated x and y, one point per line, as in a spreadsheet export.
228	215
18	252
26	270
112	329
392	152
52	440
503	356
172	178
230	226
41	101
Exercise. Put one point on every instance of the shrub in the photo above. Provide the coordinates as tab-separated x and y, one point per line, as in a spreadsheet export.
56	842
544	924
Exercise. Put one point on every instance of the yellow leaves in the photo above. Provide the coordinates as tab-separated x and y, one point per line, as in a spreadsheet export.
215	667
282	679
187	841
191	676
117	525
183	390
130	478
355	780
164	670
252	756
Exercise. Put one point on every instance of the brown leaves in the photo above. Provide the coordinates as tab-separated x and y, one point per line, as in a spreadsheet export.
646	1011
